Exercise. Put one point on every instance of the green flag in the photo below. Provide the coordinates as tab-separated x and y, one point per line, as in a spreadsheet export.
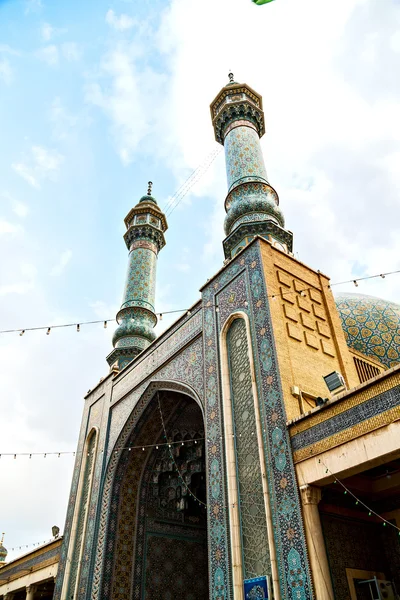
259	2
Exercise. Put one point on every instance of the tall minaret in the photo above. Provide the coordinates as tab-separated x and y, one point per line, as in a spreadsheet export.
136	319
252	204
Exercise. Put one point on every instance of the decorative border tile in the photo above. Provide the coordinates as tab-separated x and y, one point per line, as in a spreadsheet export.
345	420
294	571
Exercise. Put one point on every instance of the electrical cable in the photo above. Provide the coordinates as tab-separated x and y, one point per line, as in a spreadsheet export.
48	328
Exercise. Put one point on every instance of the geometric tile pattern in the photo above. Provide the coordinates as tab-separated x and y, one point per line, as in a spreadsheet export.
125	531
251	497
180	531
81	519
371	326
119	557
238	121
26	565
103	550
186	367
243	156
347	419
136	318
292	561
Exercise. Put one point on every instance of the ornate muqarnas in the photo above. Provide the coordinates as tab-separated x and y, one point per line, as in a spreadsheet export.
144	238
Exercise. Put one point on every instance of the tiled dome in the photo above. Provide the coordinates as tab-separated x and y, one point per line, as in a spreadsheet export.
371	326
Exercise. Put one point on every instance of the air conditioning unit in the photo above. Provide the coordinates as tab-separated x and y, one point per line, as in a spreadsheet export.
335	383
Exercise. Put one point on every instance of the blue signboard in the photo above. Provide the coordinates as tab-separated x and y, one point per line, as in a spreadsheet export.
256	589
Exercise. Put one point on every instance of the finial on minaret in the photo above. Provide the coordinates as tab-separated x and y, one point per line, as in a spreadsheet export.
150	184
2	538
230	75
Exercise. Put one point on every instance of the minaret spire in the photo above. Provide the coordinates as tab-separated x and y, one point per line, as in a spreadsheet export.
145	224
252	204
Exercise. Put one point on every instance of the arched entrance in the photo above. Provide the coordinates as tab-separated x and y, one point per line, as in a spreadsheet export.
157	534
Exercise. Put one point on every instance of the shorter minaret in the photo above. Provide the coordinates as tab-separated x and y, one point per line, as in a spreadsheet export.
136	319
252	204
3	551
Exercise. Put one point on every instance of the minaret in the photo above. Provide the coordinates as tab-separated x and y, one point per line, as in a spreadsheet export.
3	552
252	204
136	319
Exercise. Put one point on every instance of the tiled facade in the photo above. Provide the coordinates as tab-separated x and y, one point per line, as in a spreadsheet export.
264	323
362	411
136	318
252	205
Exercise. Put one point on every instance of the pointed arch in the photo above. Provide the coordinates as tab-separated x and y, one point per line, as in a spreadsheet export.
238	323
79	523
113	461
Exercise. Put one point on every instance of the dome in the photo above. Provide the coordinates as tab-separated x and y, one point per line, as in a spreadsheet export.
148	198
371	326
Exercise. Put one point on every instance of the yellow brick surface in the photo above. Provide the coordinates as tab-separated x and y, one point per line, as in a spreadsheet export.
303	363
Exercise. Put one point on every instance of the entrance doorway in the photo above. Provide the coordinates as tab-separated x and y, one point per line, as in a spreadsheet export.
161	526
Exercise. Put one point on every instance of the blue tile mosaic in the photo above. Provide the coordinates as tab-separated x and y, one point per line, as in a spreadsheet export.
347	419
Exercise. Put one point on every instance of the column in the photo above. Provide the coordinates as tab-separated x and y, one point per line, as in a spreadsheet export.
30	592
310	497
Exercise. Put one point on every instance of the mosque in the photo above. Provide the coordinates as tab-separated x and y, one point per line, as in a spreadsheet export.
252	450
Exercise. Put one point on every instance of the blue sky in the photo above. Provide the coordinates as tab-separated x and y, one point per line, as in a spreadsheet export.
96	98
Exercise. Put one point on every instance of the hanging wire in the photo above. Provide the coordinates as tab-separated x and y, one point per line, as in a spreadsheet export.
173	459
115	451
190	181
36	544
358	501
21	331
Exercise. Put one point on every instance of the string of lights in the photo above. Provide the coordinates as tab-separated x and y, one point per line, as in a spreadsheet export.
173	459
48	328
358	502
118	449
115	451
32	544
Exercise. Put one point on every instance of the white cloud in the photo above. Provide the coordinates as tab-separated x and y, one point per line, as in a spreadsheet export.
71	51
33	6
26	173
121	23
128	96
15	288
47	32
6	49
62	263
49	55
20	209
6	73
27	272
63	121
43	164
7	227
